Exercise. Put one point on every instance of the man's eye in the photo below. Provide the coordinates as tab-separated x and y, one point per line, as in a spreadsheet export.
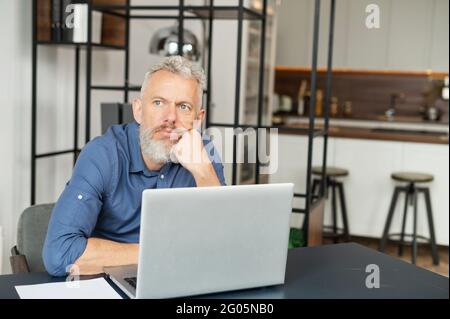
157	103
185	107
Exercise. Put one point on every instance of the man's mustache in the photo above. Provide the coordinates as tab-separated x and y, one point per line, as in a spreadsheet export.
175	134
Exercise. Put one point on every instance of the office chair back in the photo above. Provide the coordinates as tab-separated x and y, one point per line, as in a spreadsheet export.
26	256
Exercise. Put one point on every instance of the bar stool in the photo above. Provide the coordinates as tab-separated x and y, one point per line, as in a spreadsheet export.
411	195
331	175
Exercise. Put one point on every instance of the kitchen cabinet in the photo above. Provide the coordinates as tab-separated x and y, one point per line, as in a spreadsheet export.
439	41
413	35
366	48
410	36
369	187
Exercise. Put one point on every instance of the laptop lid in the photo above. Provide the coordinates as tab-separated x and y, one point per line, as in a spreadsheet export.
202	240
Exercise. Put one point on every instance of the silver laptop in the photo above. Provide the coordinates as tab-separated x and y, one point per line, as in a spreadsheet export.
196	241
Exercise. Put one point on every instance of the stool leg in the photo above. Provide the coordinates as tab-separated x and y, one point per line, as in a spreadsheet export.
333	203
344	211
402	235
414	244
434	251
389	218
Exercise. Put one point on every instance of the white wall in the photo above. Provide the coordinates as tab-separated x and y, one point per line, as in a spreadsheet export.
15	71
413	34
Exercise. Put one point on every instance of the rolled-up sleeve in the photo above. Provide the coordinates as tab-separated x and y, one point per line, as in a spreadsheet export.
218	167
215	159
76	211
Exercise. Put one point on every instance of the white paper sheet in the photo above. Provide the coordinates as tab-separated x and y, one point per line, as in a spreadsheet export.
83	289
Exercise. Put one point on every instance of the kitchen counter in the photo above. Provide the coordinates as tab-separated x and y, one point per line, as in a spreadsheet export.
386	134
373	130
407	119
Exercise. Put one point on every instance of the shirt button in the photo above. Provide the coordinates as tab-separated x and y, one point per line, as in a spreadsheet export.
162	176
80	196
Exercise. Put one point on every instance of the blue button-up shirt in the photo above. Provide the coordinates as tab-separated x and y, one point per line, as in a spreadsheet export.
103	197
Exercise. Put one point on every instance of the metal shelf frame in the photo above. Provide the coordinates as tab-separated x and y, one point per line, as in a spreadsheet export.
183	12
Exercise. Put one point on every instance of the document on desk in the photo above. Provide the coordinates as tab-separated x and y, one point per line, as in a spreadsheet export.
82	289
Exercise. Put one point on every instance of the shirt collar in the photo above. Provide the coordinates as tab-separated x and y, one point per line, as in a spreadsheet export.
137	163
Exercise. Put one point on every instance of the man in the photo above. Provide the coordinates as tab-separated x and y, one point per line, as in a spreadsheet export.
96	220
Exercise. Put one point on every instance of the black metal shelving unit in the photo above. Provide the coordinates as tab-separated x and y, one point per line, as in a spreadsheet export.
209	12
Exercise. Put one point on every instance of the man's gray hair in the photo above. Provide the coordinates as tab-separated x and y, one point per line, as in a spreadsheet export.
181	66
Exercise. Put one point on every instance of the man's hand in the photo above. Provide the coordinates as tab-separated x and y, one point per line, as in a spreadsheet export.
190	152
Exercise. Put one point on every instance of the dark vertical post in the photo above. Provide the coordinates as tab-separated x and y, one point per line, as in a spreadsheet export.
238	87
76	106
262	58
127	60
328	94
33	103
208	85
120	113
181	28
88	73
312	112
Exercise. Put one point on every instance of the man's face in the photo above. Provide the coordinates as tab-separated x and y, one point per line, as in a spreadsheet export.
170	104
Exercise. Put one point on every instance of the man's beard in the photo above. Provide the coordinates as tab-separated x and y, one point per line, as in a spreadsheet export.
154	149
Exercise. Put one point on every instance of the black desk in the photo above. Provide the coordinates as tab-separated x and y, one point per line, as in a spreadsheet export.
333	271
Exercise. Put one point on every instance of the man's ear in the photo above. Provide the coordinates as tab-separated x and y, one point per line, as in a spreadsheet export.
200	115
199	119
137	110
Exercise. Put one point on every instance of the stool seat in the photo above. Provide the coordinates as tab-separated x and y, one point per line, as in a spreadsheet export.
412	177
330	171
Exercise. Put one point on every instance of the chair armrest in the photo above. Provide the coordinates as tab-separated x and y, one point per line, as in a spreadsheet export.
18	262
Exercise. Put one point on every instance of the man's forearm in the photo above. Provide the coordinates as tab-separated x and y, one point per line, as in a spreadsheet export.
205	175
100	253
